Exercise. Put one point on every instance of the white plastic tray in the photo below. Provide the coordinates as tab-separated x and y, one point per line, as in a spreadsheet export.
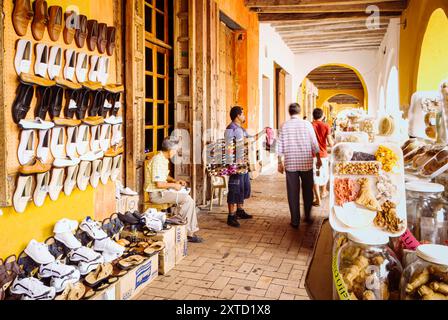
397	176
361	136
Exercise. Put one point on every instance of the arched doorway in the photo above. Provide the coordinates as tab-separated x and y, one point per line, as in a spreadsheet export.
336	86
433	66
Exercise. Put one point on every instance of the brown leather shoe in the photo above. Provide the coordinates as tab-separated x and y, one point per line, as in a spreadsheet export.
111	39
92	34
114	151
35	166
40	20
81	33
93	121
102	37
21	16
55	22
69	27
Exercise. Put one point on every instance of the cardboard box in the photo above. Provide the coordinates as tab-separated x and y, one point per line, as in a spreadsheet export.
108	294
167	259
167	236
181	250
137	279
181	234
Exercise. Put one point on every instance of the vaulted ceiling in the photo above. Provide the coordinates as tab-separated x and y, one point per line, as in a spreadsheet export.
326	25
335	77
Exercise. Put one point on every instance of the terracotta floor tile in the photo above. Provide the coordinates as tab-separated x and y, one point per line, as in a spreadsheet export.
263	259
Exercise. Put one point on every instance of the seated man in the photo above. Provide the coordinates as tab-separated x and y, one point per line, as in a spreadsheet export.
164	189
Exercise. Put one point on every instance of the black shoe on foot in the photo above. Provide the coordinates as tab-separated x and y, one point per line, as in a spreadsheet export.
309	220
195	239
241	214
295	226
232	221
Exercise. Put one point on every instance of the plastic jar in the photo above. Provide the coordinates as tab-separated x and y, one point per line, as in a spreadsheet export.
427	212
427	277
365	268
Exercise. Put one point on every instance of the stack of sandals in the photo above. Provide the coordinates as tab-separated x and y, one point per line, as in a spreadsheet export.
9	271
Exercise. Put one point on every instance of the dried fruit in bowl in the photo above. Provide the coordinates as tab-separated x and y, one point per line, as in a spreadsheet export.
387	157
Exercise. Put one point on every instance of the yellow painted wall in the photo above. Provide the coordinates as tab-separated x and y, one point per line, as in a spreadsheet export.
417	17
325	95
433	67
16	230
239	13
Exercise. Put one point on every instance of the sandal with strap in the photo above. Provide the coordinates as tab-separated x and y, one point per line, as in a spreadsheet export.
131	262
99	275
9	270
154	248
118	226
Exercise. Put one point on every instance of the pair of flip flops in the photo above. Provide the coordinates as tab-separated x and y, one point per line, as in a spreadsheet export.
147	248
103	274
130	261
74	291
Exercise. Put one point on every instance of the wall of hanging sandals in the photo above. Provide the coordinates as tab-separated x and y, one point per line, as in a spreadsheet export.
66	106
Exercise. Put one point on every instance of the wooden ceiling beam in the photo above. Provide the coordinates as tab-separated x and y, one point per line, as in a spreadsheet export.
334	35
339	16
267	3
348	7
318	31
325	23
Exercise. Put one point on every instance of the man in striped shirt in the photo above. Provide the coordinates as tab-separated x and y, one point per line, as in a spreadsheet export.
296	148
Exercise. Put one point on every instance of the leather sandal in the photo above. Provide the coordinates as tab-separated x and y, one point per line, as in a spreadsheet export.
40	20
70	18
21	104
81	33
21	16
55	22
111	40
44	98
92	34
131	262
99	275
102	37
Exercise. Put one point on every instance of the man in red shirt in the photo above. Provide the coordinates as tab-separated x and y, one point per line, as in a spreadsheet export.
322	175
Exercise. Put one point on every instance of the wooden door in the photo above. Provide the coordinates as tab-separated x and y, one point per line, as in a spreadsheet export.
226	72
280	97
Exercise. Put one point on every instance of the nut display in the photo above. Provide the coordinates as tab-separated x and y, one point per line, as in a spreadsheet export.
387	157
343	152
387	218
357	168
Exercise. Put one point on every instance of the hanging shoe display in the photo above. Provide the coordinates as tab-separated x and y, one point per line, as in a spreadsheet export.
84	173
57	143
106	169
22	61
22	14
70	64
55	22
55	62
27	146
43	148
97	166
40	20
82	67
42	56
70	179
22	195
81	31
42	188
56	183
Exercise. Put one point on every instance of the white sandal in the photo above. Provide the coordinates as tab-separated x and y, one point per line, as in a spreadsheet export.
82	140
82	67
27	146
97	166
116	167
42	188
70	64
57	144
94	68
22	195
41	64
84	173
70	180
57	183
106	169
22	61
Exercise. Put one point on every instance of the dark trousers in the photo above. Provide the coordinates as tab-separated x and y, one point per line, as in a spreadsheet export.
293	186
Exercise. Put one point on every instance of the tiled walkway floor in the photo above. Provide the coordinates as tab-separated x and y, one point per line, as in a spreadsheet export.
264	259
